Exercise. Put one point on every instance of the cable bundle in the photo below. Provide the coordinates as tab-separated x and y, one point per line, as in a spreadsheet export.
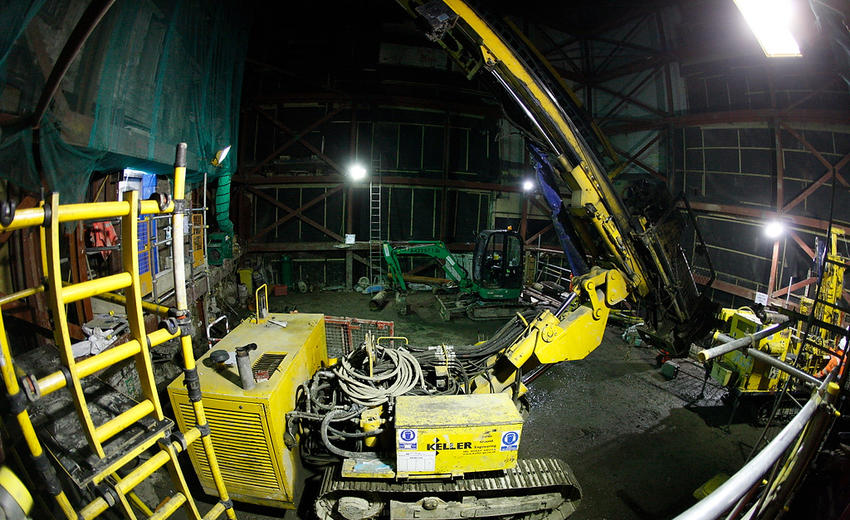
395	373
328	406
472	359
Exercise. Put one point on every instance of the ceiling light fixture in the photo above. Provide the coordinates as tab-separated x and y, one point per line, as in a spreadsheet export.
770	21
357	172
774	229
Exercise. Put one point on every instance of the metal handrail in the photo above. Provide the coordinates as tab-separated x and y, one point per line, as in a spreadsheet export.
731	491
210	338
750	339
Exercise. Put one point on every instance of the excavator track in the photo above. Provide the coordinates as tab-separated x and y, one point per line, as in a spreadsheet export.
478	310
535	489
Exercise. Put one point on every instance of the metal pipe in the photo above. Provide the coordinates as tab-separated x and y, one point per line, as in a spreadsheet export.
566	304
7	371
788	478
788	294
9	298
29	217
775	317
785	367
95	286
112	427
243	364
212	324
56	380
725	496
719	350
181	303
204	245
177	247
777	363
159	310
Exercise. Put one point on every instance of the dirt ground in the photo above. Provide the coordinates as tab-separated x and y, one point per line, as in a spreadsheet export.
636	445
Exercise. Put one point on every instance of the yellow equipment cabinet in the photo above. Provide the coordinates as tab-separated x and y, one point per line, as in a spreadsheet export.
751	375
456	434
247	426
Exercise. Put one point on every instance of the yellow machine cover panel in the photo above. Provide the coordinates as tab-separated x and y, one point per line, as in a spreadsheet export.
247	426
456	434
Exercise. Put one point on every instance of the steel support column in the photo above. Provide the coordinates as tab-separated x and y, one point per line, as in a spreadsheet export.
780	167
523	221
774	261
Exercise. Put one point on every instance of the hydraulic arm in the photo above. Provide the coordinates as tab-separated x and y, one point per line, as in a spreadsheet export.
565	334
431	248
594	219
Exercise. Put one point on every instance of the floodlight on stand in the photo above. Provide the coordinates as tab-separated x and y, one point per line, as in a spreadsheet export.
527	185
770	21
774	229
357	172
220	156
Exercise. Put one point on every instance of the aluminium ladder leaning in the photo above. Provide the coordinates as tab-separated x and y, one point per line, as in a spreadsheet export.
169	441
376	257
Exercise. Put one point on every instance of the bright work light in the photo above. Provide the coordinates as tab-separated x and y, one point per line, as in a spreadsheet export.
220	156
527	185
774	229
770	21
356	172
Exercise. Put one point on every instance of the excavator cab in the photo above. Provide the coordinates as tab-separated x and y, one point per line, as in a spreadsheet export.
497	264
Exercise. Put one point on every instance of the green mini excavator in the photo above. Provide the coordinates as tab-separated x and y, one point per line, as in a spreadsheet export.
490	291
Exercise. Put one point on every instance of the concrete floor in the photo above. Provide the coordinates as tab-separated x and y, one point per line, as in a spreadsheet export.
635	447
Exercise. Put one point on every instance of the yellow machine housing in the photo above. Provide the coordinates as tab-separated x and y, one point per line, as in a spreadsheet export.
456	434
247	426
752	375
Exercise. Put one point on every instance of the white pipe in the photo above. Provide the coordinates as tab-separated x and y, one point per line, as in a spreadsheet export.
727	495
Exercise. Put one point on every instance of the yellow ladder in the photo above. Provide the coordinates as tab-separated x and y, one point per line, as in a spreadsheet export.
115	490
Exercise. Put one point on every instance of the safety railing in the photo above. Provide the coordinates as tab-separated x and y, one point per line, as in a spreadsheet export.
735	494
780	464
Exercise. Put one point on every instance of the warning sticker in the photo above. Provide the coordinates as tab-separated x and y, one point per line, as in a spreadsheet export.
408	440
416	461
510	441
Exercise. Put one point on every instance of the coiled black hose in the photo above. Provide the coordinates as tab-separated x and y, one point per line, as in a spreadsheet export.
331	416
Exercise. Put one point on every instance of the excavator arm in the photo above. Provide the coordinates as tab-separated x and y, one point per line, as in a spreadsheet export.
432	248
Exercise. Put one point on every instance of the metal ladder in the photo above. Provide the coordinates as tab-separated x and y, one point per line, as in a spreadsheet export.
163	435
376	271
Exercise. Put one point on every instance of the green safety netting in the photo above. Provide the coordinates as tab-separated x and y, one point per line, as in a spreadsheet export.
152	74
